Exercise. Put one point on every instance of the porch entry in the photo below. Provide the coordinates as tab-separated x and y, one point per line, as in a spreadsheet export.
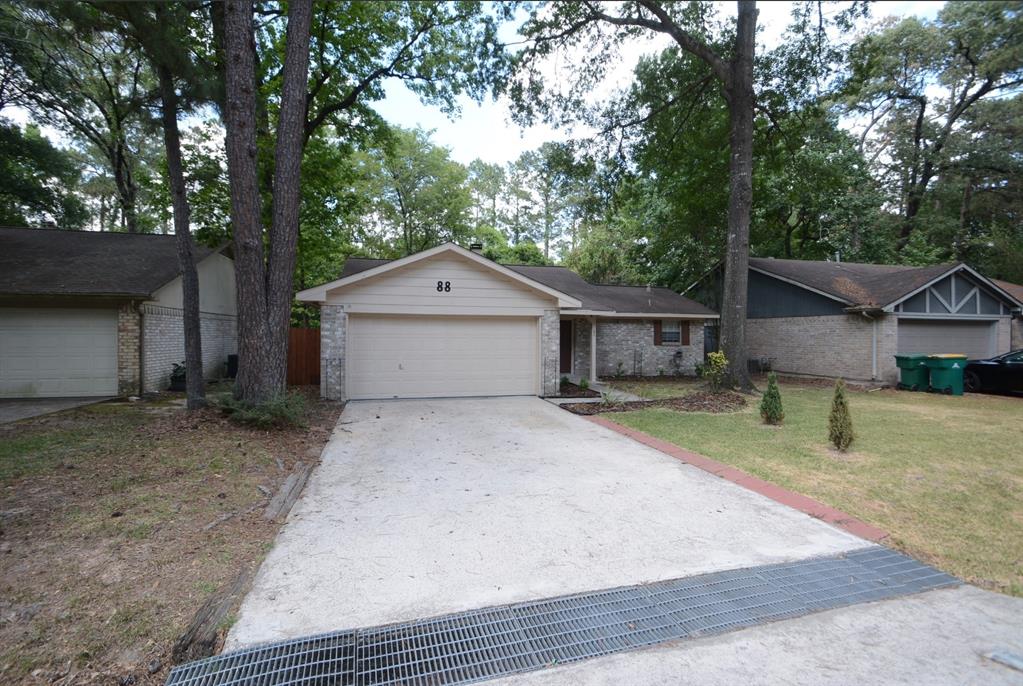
565	365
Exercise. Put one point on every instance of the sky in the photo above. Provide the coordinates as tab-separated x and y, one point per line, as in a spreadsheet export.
485	131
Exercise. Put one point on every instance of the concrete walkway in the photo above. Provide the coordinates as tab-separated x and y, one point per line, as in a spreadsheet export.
15	409
426	507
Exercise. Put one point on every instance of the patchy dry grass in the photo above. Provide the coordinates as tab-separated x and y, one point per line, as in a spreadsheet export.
104	557
942	474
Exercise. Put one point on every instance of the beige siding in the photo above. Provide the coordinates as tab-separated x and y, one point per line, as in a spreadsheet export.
1016	335
216	288
475	290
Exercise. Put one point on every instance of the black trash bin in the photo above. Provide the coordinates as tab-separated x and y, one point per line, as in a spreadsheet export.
232	366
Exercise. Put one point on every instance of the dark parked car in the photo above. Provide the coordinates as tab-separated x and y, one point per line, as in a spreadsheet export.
1002	373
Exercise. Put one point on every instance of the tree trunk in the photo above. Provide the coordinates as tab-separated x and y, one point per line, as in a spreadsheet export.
740	201
286	190
195	391
251	384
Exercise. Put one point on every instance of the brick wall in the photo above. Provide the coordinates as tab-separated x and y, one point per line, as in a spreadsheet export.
1016	337
550	347
128	330
333	332
163	336
631	342
1003	336
840	345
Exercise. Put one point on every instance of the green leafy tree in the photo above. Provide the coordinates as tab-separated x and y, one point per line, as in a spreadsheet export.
40	181
770	404
914	82
89	82
420	196
840	429
486	183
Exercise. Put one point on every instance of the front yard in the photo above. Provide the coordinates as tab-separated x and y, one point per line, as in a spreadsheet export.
943	475
118	520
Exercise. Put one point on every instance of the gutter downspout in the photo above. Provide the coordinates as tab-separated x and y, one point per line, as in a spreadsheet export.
873	351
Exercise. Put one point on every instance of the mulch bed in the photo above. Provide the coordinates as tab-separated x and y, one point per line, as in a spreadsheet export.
698	401
571	390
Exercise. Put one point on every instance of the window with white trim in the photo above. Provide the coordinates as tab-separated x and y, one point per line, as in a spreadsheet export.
671	332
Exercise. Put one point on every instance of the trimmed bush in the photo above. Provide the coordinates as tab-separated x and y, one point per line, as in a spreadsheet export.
287	410
770	405
715	369
840	430
584	384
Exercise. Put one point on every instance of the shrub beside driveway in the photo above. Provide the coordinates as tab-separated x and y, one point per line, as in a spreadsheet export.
115	528
942	474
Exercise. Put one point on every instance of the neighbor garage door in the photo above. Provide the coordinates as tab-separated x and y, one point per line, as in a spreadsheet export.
435	357
975	339
57	352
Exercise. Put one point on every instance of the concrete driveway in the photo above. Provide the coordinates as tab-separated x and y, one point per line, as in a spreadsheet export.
426	507
15	409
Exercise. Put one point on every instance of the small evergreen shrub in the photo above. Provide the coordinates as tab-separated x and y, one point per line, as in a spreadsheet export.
770	405
564	381
840	431
714	370
620	369
584	384
287	410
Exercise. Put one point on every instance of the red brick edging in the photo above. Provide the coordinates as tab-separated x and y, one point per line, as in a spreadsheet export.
786	497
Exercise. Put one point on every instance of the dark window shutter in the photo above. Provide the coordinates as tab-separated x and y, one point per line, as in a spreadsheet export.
684	326
657	332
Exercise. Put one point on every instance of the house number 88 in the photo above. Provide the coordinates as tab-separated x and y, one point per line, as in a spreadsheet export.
443	286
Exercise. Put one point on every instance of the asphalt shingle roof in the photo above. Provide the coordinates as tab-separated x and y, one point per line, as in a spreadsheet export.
856	284
1013	289
598	297
59	262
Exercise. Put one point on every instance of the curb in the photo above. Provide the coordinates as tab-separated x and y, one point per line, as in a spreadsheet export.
776	493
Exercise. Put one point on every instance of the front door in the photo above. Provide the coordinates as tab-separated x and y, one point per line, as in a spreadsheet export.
566	346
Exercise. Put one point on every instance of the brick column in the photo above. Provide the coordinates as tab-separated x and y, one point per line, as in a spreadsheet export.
333	330
550	348
128	346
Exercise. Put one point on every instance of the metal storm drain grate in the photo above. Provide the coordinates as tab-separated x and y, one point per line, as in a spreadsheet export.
482	644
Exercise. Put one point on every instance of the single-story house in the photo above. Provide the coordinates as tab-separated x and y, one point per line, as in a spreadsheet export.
846	319
1016	291
450	322
87	313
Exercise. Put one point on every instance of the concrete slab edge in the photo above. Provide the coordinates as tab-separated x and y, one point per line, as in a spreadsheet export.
797	501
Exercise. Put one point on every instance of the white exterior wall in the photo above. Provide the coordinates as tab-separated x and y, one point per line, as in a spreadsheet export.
216	288
163	333
163	344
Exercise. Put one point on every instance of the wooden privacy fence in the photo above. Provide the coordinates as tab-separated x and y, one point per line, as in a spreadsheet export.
303	357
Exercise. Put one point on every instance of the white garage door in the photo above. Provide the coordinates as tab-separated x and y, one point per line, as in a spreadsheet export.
975	339
57	353
436	357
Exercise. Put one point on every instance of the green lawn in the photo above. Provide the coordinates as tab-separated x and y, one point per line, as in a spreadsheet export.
943	475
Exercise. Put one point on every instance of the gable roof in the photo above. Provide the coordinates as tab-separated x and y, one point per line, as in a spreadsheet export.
319	293
854	284
1013	289
592	297
62	262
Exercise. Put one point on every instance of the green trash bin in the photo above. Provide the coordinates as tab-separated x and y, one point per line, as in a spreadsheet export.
947	373
913	372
